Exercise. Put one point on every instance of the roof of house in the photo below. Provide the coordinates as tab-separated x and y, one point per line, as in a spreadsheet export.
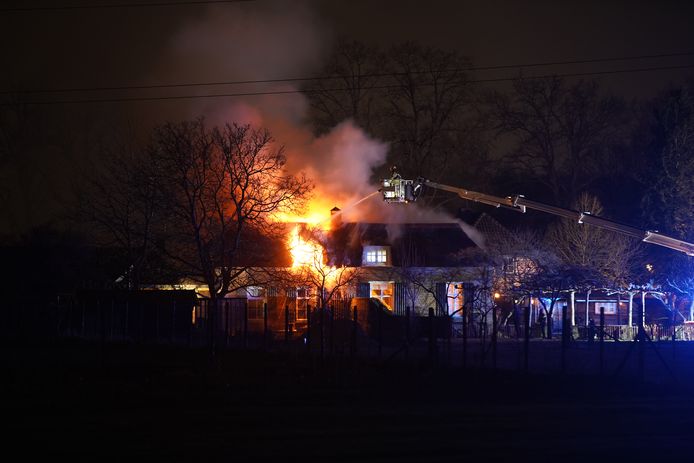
494	233
412	244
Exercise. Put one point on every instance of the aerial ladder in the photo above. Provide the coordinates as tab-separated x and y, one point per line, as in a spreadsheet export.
399	190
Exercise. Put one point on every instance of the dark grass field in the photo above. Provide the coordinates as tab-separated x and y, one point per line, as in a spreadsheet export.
85	401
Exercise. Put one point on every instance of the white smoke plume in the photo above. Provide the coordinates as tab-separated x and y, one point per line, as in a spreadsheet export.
284	39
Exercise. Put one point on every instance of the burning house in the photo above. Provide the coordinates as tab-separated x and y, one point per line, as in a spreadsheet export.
393	268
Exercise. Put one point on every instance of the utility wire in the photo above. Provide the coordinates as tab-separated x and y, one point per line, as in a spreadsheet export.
343	89
117	5
333	77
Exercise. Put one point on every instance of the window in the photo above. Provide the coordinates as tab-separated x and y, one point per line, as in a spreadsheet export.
303	299
610	308
255	292
383	291
379	256
375	255
455	299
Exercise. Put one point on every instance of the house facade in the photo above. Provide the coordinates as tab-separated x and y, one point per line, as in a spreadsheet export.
399	269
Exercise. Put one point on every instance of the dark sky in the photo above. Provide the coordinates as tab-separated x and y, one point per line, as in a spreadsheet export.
95	47
113	46
511	32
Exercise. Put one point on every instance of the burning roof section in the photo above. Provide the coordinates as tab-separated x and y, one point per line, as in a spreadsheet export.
411	244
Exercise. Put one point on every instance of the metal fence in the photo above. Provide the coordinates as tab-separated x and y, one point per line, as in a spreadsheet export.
349	331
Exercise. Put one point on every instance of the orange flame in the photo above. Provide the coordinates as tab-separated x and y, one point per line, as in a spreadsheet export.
317	213
304	253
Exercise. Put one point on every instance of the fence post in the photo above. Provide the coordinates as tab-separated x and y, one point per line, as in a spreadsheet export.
156	323
308	328
495	328
674	329
641	337
110	320
432	339
264	325
286	325
173	322
212	316
245	324
380	330
127	321
564	337
192	320
322	332
355	321
465	322
140	323
100	310
332	331
226	324
526	350
602	340
407	333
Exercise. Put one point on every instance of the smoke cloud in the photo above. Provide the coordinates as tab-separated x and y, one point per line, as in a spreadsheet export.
281	39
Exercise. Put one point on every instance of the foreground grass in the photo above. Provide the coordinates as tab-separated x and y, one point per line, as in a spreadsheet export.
84	400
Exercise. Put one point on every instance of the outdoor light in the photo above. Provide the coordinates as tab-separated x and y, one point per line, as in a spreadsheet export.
497	295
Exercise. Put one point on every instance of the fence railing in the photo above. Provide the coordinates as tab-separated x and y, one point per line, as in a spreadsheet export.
339	330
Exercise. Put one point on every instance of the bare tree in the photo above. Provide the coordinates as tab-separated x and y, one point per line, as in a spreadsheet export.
425	108
118	201
669	200
220	188
563	135
351	92
615	256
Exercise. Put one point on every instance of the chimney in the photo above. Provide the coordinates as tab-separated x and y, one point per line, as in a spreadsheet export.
335	217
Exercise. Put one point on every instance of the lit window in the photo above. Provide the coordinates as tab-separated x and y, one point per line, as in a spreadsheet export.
455	299
375	255
383	291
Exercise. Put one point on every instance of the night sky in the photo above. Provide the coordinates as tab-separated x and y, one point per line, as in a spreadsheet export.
45	47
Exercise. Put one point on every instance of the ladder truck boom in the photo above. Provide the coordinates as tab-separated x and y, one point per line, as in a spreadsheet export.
399	190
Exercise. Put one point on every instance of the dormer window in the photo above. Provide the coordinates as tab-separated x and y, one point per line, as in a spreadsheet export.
376	255
379	256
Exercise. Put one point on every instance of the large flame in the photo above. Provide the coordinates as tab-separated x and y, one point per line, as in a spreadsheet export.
309	258
304	253
317	214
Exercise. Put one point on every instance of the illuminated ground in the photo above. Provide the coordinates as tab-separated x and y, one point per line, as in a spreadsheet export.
77	401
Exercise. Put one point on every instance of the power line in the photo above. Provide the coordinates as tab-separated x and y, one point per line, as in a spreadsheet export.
118	5
342	89
333	77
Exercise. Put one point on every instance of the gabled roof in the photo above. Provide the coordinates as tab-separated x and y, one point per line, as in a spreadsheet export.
494	233
412	244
